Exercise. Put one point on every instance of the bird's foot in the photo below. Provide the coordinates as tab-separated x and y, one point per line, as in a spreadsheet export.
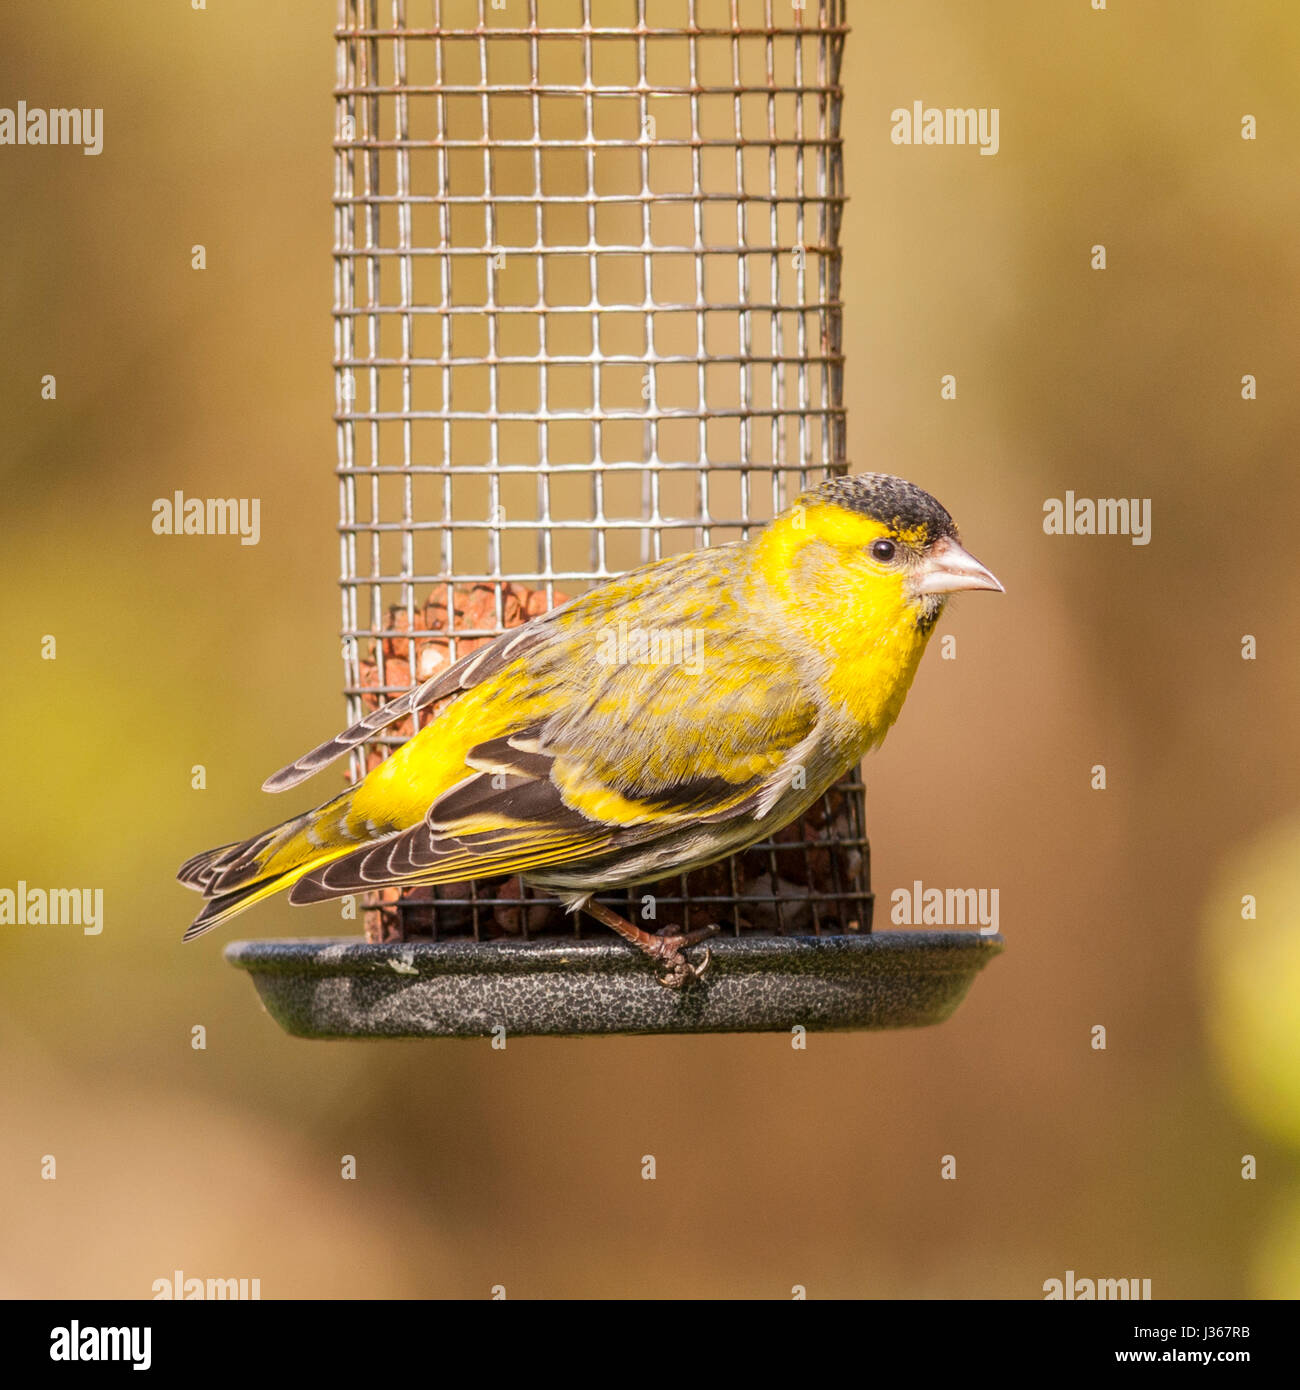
663	947
672	969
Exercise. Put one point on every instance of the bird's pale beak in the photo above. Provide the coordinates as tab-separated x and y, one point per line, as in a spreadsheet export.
948	568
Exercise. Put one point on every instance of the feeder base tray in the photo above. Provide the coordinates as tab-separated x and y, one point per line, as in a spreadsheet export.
332	988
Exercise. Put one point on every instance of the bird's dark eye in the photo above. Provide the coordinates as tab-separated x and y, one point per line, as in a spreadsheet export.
884	551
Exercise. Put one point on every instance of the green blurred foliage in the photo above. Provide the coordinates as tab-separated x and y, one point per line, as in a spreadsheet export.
1252	967
1251	955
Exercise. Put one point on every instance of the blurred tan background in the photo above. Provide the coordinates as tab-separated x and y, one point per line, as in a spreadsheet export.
775	1167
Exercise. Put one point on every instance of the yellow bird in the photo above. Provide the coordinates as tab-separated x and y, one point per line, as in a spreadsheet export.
654	725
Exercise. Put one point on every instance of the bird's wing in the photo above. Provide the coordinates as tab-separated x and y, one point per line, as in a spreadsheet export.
507	822
640	753
662	583
465	673
522	823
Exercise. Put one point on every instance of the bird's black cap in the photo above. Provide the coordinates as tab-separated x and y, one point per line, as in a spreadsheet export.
894	502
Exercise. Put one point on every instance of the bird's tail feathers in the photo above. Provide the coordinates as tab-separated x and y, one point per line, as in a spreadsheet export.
233	877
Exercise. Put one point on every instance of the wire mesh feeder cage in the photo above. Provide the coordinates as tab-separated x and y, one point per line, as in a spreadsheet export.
587	315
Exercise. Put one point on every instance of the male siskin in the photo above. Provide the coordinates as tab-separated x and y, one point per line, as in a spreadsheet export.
585	771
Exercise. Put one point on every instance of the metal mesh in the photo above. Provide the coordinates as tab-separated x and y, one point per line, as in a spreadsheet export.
587	314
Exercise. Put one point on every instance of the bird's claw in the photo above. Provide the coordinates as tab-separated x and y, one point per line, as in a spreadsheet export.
672	969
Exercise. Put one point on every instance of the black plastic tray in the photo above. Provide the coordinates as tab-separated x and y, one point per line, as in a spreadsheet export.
347	988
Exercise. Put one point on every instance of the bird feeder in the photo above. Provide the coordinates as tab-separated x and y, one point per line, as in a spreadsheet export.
587	314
